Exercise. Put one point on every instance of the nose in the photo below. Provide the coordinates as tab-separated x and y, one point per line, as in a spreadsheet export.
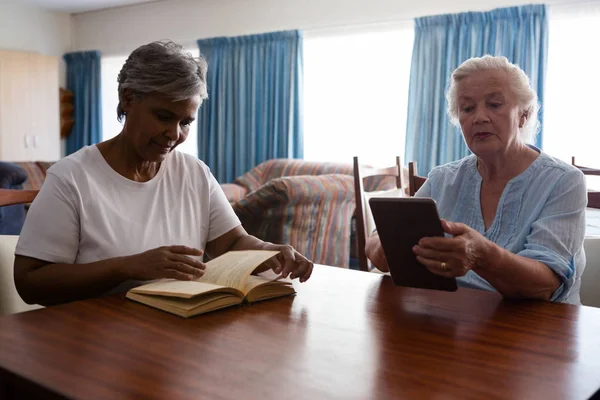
173	132
481	115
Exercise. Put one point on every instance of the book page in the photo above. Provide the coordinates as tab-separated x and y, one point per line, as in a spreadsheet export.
255	281
175	288
233	268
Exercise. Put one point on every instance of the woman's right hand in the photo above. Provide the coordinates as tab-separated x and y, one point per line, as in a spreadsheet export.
165	262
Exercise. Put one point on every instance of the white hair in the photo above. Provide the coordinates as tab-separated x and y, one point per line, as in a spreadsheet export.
518	81
162	67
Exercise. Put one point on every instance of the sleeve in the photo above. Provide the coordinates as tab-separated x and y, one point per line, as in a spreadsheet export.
557	235
425	189
222	216
51	229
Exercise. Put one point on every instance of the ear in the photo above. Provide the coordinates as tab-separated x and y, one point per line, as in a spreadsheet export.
126	99
523	118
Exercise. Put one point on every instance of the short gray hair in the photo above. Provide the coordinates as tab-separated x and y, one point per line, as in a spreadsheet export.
163	67
518	81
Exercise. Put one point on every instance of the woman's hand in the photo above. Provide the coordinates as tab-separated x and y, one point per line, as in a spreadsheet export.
165	262
374	252
453	257
287	262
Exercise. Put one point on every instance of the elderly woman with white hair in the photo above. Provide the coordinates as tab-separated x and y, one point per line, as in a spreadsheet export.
133	208
514	216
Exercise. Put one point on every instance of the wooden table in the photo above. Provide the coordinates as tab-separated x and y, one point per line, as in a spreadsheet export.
345	335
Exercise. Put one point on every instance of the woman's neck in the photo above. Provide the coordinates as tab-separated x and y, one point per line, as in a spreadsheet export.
123	158
504	166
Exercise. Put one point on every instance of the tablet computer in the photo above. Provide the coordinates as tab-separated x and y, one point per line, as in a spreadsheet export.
401	223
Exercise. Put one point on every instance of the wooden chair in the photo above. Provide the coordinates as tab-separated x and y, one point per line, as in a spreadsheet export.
364	224
9	197
414	181
593	196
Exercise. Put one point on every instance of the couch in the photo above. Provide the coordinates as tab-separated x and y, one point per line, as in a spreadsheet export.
36	173
279	168
311	213
308	205
12	176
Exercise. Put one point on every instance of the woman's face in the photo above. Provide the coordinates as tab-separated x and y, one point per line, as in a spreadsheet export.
156	125
488	112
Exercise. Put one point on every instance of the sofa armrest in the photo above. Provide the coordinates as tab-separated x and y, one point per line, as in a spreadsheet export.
233	192
311	213
12	176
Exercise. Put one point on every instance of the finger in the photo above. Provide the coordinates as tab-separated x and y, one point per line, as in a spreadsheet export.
185	268
435	266
308	272
175	274
187	260
287	259
454	228
272	263
190	251
439	243
431	254
302	265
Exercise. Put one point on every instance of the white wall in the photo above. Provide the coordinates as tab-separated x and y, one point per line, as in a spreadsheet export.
28	28
118	31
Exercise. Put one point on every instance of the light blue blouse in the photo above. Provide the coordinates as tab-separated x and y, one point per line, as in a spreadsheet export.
540	215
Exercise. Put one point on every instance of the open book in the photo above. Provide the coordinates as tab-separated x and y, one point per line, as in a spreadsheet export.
227	281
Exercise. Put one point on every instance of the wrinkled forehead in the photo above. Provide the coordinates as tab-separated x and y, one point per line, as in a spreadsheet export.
483	84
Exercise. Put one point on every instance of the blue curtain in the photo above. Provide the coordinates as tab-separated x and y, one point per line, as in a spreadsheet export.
254	107
441	44
83	79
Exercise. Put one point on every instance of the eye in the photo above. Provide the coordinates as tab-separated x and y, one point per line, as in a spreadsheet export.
163	117
468	109
186	123
494	105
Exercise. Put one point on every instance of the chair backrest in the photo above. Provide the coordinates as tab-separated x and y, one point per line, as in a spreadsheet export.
414	180
590	281
364	218
9	197
593	196
10	301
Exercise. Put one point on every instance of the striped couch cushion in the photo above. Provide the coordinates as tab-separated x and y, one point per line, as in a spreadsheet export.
310	213
35	175
281	167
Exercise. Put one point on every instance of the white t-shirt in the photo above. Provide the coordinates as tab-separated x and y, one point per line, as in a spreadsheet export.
87	212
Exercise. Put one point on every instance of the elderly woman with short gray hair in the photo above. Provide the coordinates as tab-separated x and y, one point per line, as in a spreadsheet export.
518	214
133	208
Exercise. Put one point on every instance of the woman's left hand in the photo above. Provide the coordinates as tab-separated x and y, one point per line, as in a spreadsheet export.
288	262
453	257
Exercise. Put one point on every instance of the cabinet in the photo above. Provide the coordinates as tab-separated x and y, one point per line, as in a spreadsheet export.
29	107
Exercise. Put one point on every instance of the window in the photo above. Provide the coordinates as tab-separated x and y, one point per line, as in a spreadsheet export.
111	66
573	84
356	94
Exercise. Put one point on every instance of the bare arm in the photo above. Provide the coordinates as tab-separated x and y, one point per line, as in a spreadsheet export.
47	284
40	282
516	276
